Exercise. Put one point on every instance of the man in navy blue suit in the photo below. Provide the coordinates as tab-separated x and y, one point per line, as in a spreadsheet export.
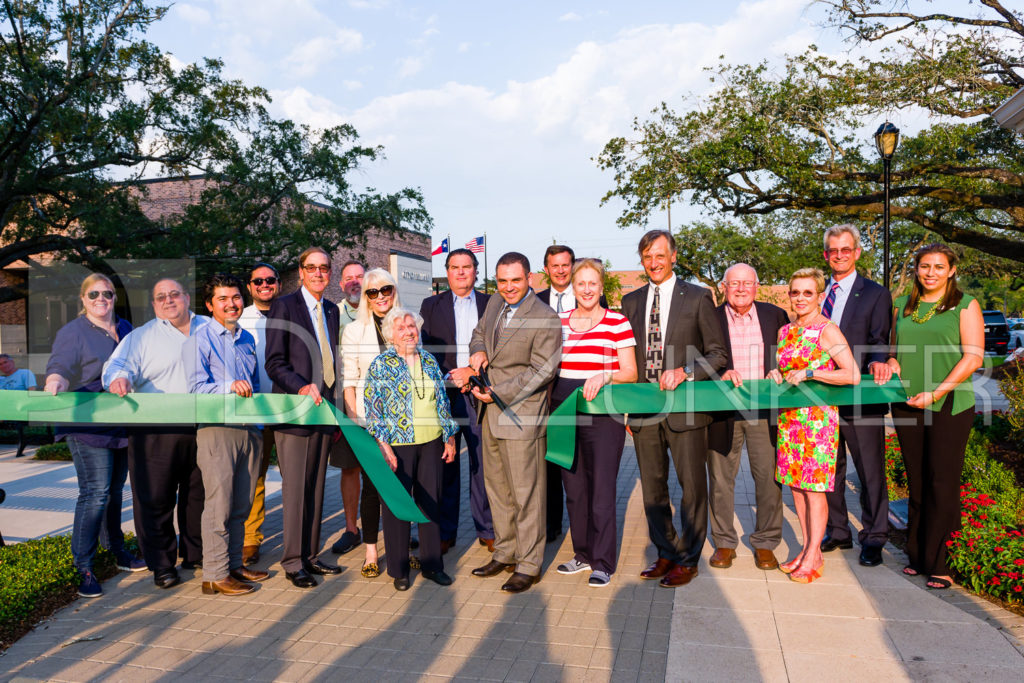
863	311
448	322
302	335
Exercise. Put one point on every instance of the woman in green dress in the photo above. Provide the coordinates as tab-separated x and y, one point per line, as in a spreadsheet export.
940	341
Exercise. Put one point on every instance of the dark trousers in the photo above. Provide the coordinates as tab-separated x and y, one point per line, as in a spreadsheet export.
303	464
164	473
554	500
419	471
866	441
933	444
369	509
689	457
451	487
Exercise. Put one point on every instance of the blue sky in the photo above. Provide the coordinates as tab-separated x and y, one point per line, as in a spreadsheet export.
494	110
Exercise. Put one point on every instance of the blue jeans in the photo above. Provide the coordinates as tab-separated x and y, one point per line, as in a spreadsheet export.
101	476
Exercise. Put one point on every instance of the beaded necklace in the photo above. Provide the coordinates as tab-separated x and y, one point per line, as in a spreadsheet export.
918	318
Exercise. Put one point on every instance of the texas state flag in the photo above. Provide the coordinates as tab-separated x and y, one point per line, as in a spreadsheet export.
443	249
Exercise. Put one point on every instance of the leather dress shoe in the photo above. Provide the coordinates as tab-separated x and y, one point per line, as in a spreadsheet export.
348	541
250	554
402	583
438	577
191	564
492	568
446	545
166	578
301	579
828	544
229	586
657	570
487	543
321	568
518	583
723	557
765	559
679	576
246	574
871	555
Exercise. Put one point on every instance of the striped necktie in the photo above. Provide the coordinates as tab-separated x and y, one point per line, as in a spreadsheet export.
499	327
326	352
830	301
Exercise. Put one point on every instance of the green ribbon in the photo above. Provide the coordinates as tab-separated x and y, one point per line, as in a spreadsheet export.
704	397
189	409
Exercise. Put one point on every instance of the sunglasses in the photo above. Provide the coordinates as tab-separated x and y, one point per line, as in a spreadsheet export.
96	294
258	281
312	268
386	290
160	298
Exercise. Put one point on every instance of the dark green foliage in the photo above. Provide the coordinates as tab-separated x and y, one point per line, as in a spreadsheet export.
53	451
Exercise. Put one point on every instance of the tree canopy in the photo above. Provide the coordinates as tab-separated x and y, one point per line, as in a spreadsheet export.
797	139
89	109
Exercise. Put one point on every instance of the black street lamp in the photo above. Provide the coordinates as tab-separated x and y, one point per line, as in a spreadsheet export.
887	138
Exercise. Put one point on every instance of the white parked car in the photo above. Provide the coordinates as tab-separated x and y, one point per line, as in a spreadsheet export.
1016	337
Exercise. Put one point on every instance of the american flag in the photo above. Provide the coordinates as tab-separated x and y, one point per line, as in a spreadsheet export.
476	245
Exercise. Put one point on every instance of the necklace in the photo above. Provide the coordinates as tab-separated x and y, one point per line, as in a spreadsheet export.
421	395
918	318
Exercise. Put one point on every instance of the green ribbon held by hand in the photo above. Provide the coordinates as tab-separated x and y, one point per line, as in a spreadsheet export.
704	397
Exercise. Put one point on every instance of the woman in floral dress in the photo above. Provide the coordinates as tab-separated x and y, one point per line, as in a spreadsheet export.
810	348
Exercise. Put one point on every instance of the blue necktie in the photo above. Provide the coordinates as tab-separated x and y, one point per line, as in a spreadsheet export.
830	301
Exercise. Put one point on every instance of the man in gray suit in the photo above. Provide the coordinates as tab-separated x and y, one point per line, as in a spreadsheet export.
518	342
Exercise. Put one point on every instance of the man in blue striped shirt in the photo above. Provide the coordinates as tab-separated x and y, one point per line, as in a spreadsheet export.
221	359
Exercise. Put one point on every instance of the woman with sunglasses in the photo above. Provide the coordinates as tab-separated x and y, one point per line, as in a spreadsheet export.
361	342
100	454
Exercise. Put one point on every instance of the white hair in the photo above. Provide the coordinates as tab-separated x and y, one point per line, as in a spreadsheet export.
394	315
837	230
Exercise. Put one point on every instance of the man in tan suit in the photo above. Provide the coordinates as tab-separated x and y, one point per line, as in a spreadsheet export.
518	342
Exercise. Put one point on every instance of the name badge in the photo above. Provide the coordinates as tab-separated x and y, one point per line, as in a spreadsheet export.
812	334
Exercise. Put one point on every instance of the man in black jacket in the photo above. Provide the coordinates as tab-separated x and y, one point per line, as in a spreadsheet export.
751	331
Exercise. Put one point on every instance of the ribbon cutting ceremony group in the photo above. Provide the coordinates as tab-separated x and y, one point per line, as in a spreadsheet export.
534	392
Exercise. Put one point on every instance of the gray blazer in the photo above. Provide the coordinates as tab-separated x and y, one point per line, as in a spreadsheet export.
521	365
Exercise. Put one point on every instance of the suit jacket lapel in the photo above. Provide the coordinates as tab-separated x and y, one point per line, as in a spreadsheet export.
513	325
851	301
638	323
675	311
767	336
447	304
723	321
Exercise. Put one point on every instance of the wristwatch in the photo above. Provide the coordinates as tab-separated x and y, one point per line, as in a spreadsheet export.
689	373
810	374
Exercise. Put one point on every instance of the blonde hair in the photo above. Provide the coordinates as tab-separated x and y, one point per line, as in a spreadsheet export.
375	279
592	263
89	281
810	274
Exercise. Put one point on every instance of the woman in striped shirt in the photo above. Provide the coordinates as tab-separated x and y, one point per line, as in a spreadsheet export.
596	350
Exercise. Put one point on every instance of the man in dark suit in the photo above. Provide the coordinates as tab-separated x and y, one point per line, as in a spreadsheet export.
302	335
751	331
518	340
679	340
863	310
449	319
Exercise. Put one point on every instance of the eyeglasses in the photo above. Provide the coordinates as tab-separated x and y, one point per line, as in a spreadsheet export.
734	284
312	268
96	294
807	293
160	298
844	251
386	290
258	281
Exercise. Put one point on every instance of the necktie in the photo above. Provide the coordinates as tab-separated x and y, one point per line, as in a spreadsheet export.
559	308
326	352
500	326
655	345
830	301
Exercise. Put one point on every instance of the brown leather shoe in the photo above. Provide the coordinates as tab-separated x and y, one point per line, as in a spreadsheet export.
250	554
657	570
765	559
246	574
679	576
519	583
229	586
488	543
493	568
723	557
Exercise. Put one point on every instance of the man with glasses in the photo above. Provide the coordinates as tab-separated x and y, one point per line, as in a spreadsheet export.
162	458
863	311
751	331
264	285
302	336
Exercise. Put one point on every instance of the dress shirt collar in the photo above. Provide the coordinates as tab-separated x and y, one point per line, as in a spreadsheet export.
845	285
731	312
219	330
194	322
471	297
311	301
666	286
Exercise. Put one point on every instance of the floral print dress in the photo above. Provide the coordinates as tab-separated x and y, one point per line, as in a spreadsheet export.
808	437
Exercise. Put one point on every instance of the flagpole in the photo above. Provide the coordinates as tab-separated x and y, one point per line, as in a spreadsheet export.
485	263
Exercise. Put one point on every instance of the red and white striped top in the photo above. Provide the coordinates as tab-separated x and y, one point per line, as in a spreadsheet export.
585	354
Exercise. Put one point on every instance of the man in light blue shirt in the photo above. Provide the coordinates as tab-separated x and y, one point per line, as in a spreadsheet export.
162	458
221	359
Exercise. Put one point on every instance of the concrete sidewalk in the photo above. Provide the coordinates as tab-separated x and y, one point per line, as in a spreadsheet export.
740	623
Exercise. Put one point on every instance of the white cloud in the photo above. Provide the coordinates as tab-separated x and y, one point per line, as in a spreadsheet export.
570	16
302	106
409	66
464	47
191	14
306	58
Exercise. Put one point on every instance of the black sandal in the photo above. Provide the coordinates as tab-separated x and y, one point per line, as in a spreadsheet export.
910	571
940	584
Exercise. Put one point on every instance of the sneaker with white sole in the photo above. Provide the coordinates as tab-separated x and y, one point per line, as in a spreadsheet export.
89	587
573	566
128	562
599	579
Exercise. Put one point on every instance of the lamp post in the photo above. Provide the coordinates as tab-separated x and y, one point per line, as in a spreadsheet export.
887	138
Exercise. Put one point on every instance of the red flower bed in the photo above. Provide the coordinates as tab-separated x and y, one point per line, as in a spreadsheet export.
988	553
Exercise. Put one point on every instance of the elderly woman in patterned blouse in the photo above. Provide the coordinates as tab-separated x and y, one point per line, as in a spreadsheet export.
407	411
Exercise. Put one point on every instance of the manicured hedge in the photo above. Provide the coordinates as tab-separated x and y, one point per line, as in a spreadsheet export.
53	451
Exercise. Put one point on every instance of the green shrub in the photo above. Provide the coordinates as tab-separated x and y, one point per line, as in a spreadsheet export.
53	451
1011	383
895	470
992	478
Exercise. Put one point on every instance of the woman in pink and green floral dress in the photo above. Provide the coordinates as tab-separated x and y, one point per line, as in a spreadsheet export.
810	348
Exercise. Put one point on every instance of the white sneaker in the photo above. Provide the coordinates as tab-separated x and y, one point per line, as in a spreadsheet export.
599	579
573	566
